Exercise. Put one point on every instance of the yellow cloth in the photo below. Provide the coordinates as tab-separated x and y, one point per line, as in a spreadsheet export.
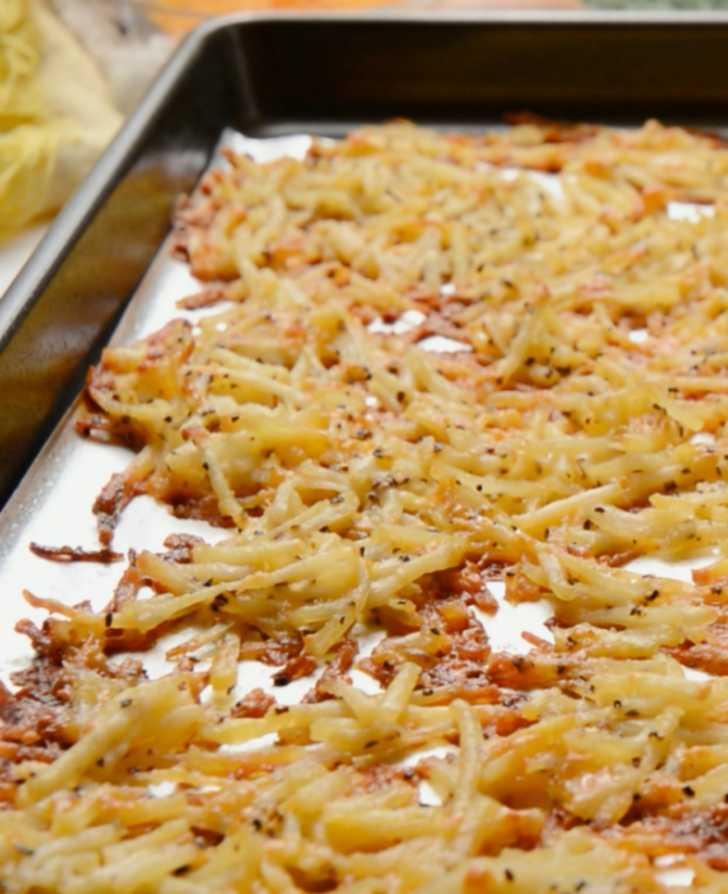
56	115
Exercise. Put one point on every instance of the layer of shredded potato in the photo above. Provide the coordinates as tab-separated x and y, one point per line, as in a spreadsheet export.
438	360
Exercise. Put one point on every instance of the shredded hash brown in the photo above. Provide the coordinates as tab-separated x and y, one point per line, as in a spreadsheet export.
368	482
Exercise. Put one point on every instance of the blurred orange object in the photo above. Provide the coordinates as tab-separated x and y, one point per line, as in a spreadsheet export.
179	16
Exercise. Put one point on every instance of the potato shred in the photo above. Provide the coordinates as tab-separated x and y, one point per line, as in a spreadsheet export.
431	360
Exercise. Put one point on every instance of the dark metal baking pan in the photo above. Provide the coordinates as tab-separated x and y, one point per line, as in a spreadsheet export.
277	75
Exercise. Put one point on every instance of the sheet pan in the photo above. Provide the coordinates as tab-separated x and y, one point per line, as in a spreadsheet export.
278	80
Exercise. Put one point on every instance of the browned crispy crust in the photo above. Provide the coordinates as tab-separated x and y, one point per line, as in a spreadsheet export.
75	554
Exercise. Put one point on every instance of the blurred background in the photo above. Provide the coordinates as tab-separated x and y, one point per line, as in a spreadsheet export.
71	70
